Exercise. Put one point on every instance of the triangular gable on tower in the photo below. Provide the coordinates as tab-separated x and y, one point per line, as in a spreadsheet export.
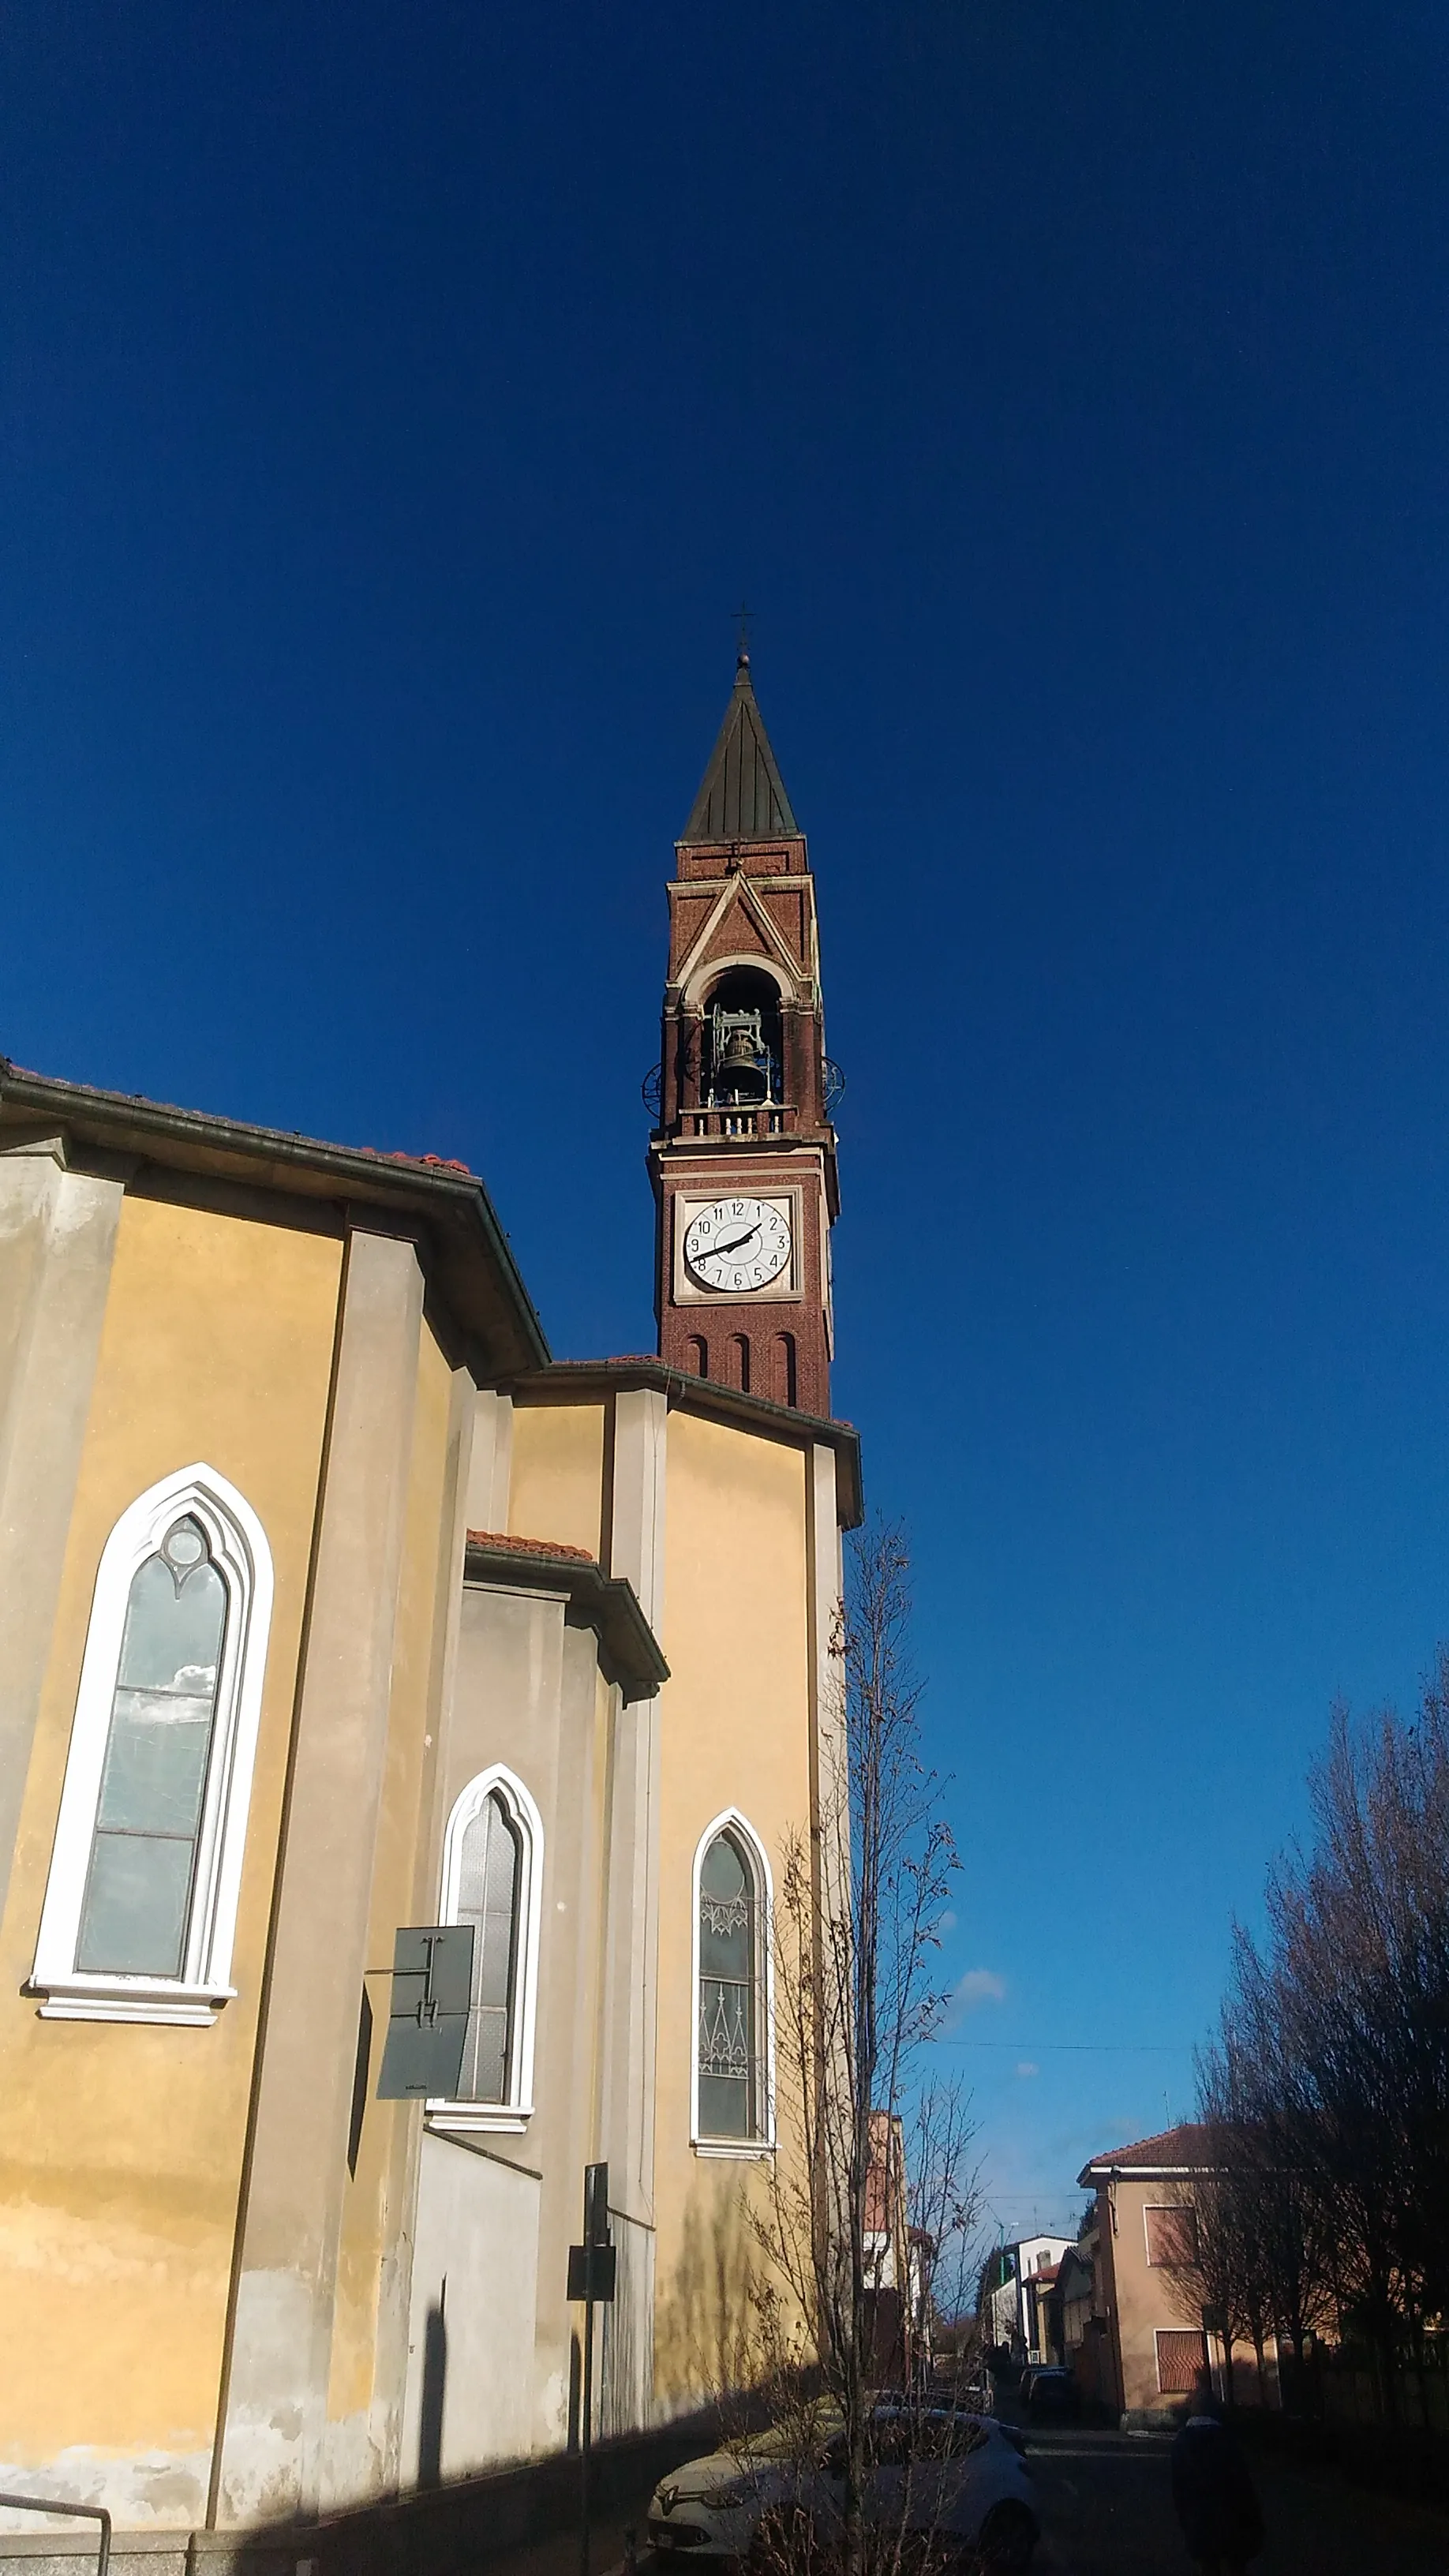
742	795
739	925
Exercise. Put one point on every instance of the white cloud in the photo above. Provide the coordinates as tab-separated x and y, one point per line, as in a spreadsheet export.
946	1922
978	1986
1026	2068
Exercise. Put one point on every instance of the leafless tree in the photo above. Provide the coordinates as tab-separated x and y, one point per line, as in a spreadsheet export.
880	2193
1261	2253
1327	2090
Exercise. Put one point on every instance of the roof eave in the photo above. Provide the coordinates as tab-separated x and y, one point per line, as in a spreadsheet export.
629	1652
758	1413
477	1272
1104	2171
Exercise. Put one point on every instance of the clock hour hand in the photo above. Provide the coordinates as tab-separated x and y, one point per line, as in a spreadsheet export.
719	1248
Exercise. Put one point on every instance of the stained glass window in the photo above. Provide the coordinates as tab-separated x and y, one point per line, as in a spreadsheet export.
137	1903
729	1983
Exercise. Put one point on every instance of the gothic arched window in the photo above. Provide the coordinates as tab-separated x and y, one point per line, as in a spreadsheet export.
140	1907
158	1755
732	2054
492	1878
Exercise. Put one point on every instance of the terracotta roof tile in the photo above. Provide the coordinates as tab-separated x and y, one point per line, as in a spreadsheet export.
1188	2144
505	1544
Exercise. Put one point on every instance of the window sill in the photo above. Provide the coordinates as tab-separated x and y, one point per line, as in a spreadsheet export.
150	1999
747	2150
481	2119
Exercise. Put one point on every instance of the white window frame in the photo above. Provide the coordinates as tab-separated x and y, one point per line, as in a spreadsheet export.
730	1820
512	2115
242	1558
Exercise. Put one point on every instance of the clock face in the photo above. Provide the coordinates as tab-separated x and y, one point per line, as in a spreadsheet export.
737	1244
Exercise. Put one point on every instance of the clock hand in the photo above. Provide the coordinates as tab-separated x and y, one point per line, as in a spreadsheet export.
718	1248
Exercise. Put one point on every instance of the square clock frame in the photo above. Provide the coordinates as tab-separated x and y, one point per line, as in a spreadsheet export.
784	1290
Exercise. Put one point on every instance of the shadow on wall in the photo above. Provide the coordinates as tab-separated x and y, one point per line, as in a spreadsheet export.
627	2338
434	2392
471	2523
712	2332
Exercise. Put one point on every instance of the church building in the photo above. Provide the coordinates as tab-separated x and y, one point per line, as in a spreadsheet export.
331	1605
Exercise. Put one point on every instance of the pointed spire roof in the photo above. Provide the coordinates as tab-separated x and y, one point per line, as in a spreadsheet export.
742	795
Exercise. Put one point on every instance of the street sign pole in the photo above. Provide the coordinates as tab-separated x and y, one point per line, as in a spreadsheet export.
591	2279
586	2438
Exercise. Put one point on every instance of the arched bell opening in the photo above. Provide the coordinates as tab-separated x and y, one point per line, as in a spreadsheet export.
743	1041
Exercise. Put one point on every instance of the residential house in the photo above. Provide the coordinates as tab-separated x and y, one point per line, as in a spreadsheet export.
1147	2289
1015	2310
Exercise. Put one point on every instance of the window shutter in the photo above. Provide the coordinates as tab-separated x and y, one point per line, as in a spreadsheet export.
1181	2354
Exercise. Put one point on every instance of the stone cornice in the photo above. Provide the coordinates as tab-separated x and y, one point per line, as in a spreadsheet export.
629	1652
576	1380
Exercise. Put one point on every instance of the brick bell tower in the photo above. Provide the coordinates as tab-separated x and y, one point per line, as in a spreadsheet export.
743	1156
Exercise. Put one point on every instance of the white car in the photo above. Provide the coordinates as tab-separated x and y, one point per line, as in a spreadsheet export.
958	2483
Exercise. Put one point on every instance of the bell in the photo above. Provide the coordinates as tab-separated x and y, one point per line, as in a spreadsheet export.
741	1048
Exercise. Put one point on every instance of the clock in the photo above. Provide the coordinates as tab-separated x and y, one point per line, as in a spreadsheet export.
738	1244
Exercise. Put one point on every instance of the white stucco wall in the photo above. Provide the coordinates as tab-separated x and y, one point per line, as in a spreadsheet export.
475	2266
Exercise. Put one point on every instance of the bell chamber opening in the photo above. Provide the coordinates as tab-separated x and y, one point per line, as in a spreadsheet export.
743	1042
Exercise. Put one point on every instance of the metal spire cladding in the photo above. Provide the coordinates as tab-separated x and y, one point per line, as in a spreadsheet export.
742	795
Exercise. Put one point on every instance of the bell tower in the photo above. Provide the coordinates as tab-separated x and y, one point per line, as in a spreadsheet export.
743	1156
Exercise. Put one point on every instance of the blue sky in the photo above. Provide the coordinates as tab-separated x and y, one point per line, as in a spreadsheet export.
395	404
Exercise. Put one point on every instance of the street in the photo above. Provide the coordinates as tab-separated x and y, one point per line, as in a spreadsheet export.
1106	2510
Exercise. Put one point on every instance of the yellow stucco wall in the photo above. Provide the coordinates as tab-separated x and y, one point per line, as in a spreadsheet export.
372	2211
556	1483
736	1733
120	2144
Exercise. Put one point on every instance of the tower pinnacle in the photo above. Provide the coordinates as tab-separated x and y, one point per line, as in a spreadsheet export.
743	1156
742	795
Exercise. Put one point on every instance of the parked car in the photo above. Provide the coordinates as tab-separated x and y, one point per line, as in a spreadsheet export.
952	2480
1051	2392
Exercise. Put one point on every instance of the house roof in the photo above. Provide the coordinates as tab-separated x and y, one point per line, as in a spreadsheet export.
1184	2149
145	1141
741	795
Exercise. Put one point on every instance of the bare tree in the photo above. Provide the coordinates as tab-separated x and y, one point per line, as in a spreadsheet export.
1327	2090
879	2194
